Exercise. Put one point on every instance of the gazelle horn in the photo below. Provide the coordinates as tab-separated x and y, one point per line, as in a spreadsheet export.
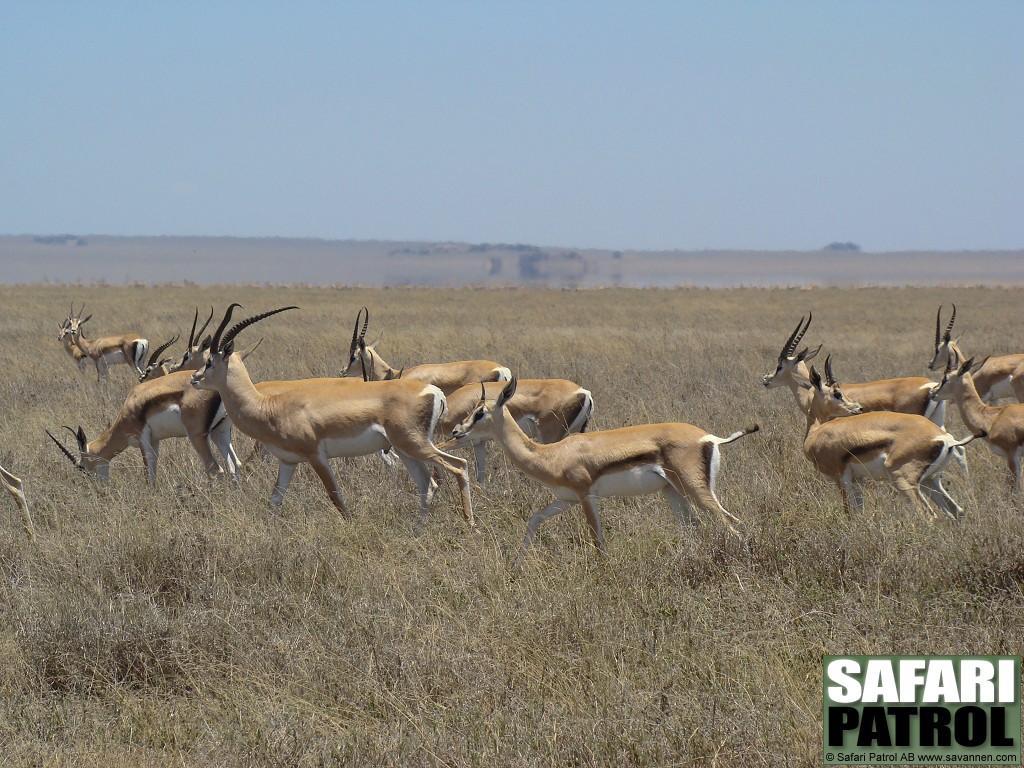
795	337
830	377
72	458
241	326
160	350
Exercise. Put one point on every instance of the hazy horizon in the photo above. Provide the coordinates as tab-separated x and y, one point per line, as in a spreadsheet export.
656	127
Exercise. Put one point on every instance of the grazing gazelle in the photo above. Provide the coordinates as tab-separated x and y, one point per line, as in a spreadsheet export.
680	460
906	449
153	411
13	486
993	379
1003	426
365	361
315	420
911	394
546	409
105	351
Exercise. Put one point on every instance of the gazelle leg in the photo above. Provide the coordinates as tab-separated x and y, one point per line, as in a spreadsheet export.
912	491
424	482
539	517
150	453
221	436
933	487
322	467
14	487
480	453
284	479
201	445
593	513
680	505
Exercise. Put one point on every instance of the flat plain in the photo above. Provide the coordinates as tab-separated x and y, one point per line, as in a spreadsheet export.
192	624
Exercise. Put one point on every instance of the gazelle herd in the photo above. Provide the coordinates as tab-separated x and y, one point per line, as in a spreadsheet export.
891	430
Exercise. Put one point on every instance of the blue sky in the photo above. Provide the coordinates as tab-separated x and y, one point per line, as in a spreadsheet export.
651	125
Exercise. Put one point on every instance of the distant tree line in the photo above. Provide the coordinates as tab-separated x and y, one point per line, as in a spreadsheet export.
59	239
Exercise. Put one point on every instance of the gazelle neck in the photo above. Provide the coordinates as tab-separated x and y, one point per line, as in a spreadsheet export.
801	394
526	454
976	414
242	401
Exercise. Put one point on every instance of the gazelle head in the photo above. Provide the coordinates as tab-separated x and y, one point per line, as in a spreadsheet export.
828	401
947	353
195	350
362	359
87	461
792	364
74	322
156	367
222	346
952	385
480	422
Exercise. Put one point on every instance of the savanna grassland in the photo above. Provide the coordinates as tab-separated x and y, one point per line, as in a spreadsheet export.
192	624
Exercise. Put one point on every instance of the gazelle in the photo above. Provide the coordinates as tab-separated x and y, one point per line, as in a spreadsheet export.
108	350
14	487
157	367
993	380
911	394
315	420
365	361
680	460
153	411
1002	426
545	409
905	449
74	352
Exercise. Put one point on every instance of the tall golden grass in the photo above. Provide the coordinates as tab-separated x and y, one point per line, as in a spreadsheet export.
191	624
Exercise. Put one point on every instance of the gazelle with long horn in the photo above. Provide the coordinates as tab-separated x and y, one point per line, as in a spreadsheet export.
547	410
911	394
105	351
153	411
1003	426
13	486
314	420
157	367
364	360
679	460
64	337
905	449
993	381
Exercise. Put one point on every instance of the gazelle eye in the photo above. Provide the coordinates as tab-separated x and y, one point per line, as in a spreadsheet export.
837	395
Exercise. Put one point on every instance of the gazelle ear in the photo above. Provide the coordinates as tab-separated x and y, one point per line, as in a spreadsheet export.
815	378
809	354
506	393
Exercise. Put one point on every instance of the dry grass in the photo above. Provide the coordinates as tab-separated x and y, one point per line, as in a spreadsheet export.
193	625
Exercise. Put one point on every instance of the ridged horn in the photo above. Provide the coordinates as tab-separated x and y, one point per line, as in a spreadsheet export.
356	335
215	342
795	337
160	350
830	377
949	328
241	326
71	457
199	333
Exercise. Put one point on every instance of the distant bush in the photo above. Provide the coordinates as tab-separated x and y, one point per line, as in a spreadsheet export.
847	246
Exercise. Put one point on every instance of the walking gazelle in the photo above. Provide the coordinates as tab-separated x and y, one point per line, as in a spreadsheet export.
679	460
314	420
